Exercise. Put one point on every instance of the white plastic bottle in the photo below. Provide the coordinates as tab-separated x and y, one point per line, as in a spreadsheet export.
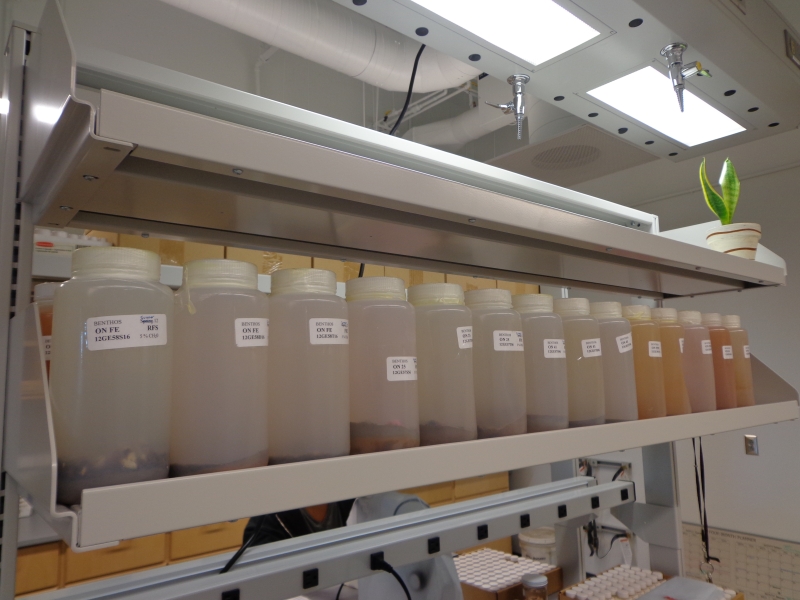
619	376
219	387
309	387
545	363
498	364
584	362
111	371
444	353
384	404
698	362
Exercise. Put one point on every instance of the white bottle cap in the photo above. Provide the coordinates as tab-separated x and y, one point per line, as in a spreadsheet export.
489	298
220	273
303	281
636	312
116	263
605	309
535	581
571	307
690	317
435	293
728	321
375	288
712	319
527	303
44	291
665	315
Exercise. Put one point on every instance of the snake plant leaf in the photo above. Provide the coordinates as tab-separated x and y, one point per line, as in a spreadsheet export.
715	202
729	182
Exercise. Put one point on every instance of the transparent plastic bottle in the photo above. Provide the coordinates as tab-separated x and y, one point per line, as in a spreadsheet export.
498	364
384	404
111	371
444	351
619	376
648	361
741	360
545	363
309	386
219	385
534	587
698	364
43	296
722	353
584	362
673	339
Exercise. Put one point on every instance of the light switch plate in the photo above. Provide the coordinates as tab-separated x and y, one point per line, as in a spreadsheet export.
751	445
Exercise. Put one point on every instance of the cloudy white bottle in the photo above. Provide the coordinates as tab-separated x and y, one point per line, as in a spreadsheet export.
619	376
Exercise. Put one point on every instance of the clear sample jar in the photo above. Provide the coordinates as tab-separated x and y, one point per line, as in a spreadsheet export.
444	352
584	362
309	386
698	363
722	353
111	371
384	404
619	375
43	296
648	362
219	386
534	587
673	340
498	364
741	360
545	363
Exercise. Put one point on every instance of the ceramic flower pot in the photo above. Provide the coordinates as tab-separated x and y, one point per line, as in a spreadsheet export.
738	239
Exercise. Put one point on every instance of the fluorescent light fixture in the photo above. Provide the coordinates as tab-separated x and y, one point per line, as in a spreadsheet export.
533	30
4	106
647	96
46	114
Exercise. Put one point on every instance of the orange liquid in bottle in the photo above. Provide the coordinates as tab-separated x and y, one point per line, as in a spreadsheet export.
648	362
672	343
724	368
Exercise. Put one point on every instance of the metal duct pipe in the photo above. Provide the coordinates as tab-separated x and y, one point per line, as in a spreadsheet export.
338	38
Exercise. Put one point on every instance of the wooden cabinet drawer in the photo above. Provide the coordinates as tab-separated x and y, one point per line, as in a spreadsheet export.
439	493
37	568
476	486
127	556
206	540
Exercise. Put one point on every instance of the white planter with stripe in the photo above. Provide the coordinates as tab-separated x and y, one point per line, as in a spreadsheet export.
738	239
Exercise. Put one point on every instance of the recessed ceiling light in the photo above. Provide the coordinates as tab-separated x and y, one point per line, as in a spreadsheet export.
549	29
647	96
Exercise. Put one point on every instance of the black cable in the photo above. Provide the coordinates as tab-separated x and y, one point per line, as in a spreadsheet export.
410	90
700	486
378	564
361	270
229	565
613	539
619	472
339	592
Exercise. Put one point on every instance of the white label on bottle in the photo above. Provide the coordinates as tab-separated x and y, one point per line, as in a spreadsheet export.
727	352
627	552
706	346
625	343
126	331
508	341
48	344
464	337
401	368
654	349
251	332
680	341
329	331
746	351
591	348
555	349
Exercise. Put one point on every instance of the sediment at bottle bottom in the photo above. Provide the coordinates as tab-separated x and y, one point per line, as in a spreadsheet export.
371	437
257	460
282	460
587	422
433	433
537	423
515	428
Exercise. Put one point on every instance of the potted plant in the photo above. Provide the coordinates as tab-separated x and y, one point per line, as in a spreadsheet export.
739	239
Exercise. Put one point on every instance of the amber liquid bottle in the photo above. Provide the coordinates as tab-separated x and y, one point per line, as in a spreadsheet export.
741	360
672	344
724	368
647	361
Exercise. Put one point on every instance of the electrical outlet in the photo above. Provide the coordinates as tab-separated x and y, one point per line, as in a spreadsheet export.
740	4
751	445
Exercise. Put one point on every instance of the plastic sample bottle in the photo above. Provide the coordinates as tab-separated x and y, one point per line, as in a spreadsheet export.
498	364
444	352
309	386
534	587
619	376
219	387
43	296
722	353
111	371
741	360
673	340
584	362
384	405
698	364
545	363
648	362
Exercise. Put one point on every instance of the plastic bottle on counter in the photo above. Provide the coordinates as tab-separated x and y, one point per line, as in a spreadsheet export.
741	360
584	362
673	340
111	371
444	351
698	363
545	363
384	405
219	389
534	587
648	362
43	296
619	375
498	364
309	386
724	367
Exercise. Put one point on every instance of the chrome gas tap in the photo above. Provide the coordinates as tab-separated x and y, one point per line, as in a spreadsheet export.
678	72
517	105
